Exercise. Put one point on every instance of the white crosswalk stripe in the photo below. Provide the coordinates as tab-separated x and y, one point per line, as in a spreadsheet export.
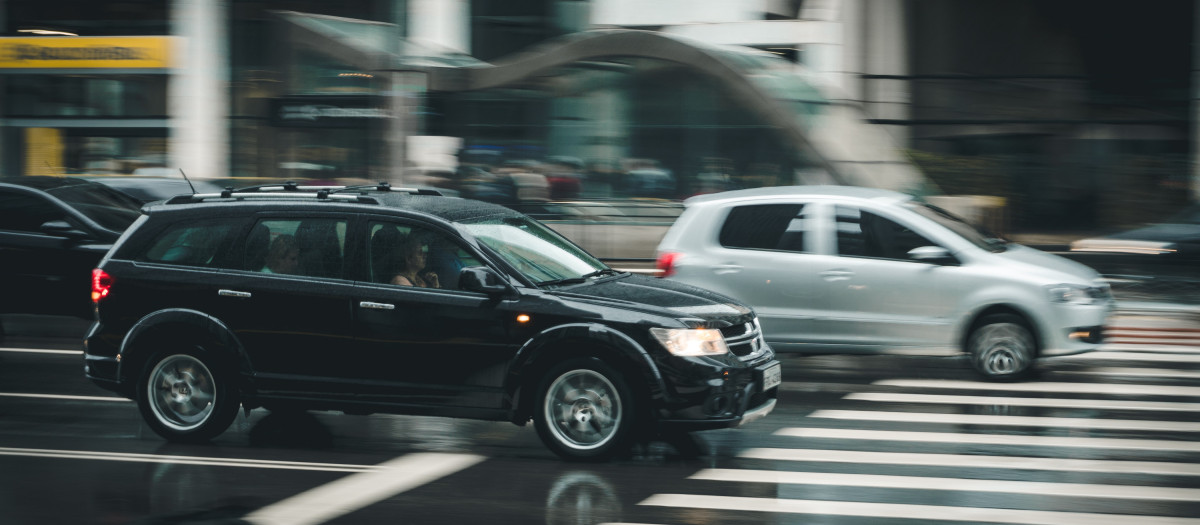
1031	453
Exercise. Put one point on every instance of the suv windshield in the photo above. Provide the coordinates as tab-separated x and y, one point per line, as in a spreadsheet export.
959	226
539	253
109	208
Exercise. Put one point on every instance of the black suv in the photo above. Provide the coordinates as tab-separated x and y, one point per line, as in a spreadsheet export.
373	299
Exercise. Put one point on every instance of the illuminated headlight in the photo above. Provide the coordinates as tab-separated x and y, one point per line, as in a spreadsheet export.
689	342
1077	294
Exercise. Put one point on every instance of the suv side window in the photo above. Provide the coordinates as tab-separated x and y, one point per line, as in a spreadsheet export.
766	227
26	213
412	256
312	247
865	234
193	243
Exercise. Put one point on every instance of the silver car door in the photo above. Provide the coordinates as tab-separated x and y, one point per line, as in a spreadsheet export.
878	296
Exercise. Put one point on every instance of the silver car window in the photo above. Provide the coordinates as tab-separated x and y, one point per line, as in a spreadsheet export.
782	227
861	233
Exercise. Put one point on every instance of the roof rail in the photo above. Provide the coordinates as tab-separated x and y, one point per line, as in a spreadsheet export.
322	195
291	189
387	186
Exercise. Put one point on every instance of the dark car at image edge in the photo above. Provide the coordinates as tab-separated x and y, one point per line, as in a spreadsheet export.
53	231
525	326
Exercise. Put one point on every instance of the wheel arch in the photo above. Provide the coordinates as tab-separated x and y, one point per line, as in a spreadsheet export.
976	320
168	326
568	341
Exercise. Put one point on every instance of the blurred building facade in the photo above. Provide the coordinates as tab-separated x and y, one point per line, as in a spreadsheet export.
1078	114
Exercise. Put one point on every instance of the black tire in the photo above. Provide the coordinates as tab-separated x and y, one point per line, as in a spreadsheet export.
585	410
187	396
1002	348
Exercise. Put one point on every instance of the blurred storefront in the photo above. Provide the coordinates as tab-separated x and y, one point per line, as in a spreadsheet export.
84	104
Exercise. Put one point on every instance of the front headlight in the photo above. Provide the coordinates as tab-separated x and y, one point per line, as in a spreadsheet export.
690	342
1077	294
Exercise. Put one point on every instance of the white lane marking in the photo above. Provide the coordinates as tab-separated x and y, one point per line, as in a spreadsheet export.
64	396
907	511
1053	388
1158	468
353	492
1136	372
182	460
42	351
1132	356
1159	445
1017	421
1072	490
1095	404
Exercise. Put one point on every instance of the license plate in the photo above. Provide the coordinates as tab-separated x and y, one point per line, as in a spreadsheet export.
772	377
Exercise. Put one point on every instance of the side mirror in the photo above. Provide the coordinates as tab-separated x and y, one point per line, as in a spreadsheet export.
62	229
932	255
481	279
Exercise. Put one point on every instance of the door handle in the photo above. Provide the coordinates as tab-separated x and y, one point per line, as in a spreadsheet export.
377	306
721	269
233	293
837	275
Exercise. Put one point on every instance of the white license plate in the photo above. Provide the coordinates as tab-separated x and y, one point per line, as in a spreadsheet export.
772	377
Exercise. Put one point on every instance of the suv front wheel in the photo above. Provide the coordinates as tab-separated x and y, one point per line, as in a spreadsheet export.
185	397
585	410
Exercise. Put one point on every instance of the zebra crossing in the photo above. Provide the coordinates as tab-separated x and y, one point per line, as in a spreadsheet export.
1108	437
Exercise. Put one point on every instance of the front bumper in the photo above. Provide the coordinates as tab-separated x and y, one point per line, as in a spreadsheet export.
1072	330
724	403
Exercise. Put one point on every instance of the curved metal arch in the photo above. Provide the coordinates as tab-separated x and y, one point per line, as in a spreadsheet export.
591	45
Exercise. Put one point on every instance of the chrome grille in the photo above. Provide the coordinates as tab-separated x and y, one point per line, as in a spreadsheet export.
744	340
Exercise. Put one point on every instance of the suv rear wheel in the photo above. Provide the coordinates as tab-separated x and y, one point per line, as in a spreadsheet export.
585	410
185	396
1001	347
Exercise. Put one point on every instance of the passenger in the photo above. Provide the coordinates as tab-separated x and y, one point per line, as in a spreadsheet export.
283	256
412	272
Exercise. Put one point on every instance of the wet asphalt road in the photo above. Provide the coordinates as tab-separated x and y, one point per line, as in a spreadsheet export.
1108	437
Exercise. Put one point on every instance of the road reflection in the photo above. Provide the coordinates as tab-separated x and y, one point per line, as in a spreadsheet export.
290	429
582	498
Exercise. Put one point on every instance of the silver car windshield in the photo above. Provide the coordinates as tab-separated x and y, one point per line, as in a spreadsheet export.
539	253
958	226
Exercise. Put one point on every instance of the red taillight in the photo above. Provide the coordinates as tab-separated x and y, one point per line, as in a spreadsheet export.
101	283
666	263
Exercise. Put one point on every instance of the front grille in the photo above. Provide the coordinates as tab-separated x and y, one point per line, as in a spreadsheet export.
744	340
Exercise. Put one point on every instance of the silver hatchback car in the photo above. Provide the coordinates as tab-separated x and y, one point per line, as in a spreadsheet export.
851	269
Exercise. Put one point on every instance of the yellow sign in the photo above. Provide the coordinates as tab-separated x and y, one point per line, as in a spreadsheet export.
140	52
43	151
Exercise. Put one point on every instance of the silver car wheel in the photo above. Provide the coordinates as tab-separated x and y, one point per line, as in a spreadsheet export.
582	409
181	392
1002	349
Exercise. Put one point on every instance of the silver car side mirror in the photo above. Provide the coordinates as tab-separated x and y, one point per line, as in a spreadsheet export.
932	255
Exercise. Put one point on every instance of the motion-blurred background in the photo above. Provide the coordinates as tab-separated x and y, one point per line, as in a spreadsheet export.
1045	121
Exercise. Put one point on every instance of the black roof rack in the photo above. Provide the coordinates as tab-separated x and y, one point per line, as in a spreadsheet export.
292	190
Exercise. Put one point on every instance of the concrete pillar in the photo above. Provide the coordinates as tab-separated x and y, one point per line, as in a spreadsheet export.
886	53
198	90
853	38
444	23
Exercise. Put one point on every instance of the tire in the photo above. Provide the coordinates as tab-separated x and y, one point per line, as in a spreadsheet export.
585	411
187	396
1002	347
